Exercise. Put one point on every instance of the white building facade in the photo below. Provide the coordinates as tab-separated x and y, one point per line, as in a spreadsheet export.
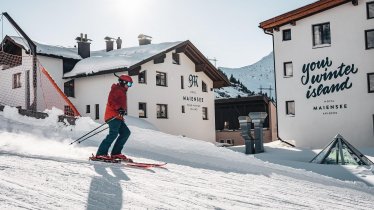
324	70
173	86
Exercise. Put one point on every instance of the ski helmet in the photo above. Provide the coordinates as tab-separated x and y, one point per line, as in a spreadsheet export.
125	79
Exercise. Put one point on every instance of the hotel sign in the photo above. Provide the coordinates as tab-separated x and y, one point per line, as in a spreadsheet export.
322	78
193	100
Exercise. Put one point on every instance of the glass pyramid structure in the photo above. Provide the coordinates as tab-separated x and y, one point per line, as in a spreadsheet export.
340	152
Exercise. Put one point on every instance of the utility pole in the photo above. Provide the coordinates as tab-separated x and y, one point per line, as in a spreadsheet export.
214	60
269	89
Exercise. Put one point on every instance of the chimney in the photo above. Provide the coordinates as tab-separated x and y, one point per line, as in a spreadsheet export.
83	46
109	43
119	43
144	39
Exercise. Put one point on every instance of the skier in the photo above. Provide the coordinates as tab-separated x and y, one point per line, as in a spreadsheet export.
116	108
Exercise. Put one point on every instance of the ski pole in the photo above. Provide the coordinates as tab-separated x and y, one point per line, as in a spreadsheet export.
92	135
93	130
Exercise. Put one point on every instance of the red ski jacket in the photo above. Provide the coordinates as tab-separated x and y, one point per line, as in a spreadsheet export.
117	99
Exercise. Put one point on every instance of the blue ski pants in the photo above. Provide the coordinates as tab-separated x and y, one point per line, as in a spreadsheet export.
118	131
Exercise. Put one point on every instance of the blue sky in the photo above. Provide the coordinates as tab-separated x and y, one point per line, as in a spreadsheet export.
223	29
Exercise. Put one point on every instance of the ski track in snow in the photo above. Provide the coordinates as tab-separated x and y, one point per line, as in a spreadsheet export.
40	170
43	183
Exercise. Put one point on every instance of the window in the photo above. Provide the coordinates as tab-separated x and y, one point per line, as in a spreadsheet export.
69	88
204	87
321	34
290	108
142	77
370	9
221	141
182	82
142	110
288	69
286	34
16	80
97	114
183	109
88	109
369	37
371	82
161	79
162	111
205	113
175	58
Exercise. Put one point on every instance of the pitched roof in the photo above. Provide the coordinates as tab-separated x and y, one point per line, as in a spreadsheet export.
48	50
131	59
300	13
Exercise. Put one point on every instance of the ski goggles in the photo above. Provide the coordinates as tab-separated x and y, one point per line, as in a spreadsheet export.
129	84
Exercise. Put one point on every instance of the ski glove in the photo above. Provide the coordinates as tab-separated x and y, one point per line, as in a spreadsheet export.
122	112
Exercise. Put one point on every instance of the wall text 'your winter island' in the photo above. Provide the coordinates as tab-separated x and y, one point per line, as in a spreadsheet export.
316	73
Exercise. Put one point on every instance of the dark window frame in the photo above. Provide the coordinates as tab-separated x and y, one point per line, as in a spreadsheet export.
69	88
16	83
159	81
144	73
159	116
367	9
204	87
182	82
288	111
284	69
88	109
284	37
205	117
176	58
370	90
145	109
366	39
97	111
322	35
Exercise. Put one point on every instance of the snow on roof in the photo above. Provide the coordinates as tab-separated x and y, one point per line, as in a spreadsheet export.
115	59
49	49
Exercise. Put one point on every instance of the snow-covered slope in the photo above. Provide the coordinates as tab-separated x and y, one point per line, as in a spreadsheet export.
255	76
40	170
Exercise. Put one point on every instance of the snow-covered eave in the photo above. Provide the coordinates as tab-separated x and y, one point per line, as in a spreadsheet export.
38	46
243	99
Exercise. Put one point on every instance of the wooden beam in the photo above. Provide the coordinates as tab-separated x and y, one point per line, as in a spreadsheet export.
293	23
200	67
159	59
135	71
355	2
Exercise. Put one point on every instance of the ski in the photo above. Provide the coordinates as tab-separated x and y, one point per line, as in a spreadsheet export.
128	163
145	164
